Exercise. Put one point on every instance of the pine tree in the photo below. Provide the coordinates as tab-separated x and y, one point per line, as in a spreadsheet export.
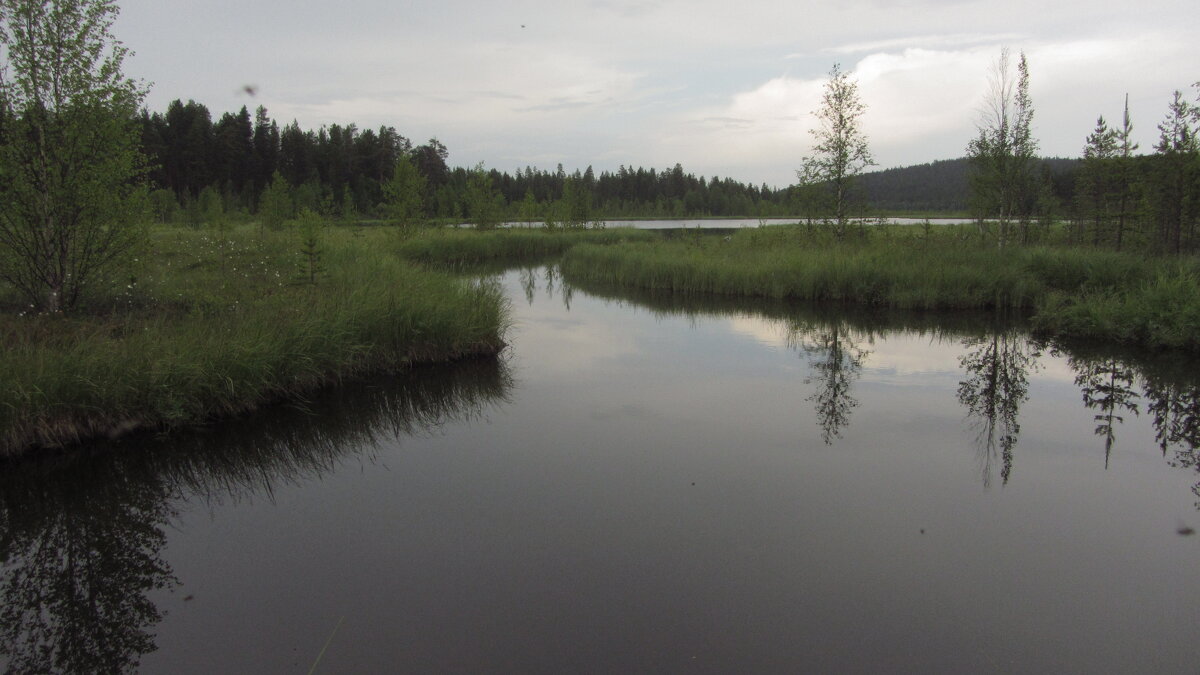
1124	174
1095	176
1175	177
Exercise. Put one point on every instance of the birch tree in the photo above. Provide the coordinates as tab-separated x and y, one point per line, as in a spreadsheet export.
841	151
70	159
1002	156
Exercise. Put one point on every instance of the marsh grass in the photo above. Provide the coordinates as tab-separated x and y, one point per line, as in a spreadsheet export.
467	246
216	324
1071	293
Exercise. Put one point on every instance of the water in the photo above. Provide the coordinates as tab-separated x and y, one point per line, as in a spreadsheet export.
642	483
733	223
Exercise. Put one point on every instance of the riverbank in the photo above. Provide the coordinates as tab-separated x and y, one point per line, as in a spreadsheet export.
216	324
1070	293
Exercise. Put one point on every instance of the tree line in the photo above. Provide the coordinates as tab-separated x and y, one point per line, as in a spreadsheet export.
201	169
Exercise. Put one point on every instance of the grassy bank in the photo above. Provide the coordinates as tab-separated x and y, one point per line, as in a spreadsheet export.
466	246
213	325
1071	293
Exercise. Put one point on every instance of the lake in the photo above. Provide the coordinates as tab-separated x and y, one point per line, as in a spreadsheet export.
642	483
730	223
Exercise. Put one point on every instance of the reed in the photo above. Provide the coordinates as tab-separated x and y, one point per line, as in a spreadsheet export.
1071	293
213	326
468	246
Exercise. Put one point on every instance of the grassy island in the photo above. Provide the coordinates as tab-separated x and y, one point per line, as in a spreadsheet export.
1073	293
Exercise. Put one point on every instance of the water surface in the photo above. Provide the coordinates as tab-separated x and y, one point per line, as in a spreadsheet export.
642	483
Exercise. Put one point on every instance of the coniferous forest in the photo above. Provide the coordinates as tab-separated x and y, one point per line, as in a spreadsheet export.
203	168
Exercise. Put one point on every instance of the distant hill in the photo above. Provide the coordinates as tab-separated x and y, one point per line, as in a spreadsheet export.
942	185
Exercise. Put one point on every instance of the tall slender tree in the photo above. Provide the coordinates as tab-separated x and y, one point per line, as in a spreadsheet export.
1124	174
1094	193
1002	155
1175	178
841	151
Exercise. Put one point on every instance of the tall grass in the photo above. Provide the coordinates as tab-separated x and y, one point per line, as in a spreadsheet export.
1163	312
1071	292
456	247
218	325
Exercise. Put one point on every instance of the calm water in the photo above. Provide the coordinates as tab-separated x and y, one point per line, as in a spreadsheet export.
642	485
734	223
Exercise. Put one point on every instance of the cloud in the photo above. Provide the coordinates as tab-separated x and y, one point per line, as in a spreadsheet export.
712	85
924	42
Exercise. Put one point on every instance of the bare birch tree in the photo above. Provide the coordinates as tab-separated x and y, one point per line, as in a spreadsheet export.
1002	156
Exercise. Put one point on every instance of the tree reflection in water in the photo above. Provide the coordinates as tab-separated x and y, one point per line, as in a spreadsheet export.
995	385
836	356
1107	385
1173	401
82	533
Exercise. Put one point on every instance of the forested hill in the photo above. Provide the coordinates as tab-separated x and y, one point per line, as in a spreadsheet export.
942	185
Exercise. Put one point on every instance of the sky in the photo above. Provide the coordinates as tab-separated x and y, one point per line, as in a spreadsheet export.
724	88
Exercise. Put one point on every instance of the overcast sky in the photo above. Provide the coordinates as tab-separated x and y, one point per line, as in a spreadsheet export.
723	87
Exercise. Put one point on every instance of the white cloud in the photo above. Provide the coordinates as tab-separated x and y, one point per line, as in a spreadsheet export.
721	88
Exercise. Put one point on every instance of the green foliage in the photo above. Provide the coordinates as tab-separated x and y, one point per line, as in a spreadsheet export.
70	159
212	211
1003	155
163	206
462	247
1163	312
275	207
1072	292
841	152
485	204
214	327
309	227
577	203
404	194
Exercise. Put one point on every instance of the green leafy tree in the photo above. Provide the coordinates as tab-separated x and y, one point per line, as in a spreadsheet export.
485	203
528	208
404	193
275	206
211	209
163	205
841	152
1002	157
70	163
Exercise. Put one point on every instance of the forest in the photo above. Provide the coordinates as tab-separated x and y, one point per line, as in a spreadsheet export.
203	169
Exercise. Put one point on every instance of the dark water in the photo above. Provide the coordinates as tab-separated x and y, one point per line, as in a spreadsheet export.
642	484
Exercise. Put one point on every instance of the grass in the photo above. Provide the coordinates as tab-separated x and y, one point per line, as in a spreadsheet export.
217	325
1070	293
466	246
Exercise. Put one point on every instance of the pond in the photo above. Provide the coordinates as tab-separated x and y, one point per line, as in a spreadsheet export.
642	483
